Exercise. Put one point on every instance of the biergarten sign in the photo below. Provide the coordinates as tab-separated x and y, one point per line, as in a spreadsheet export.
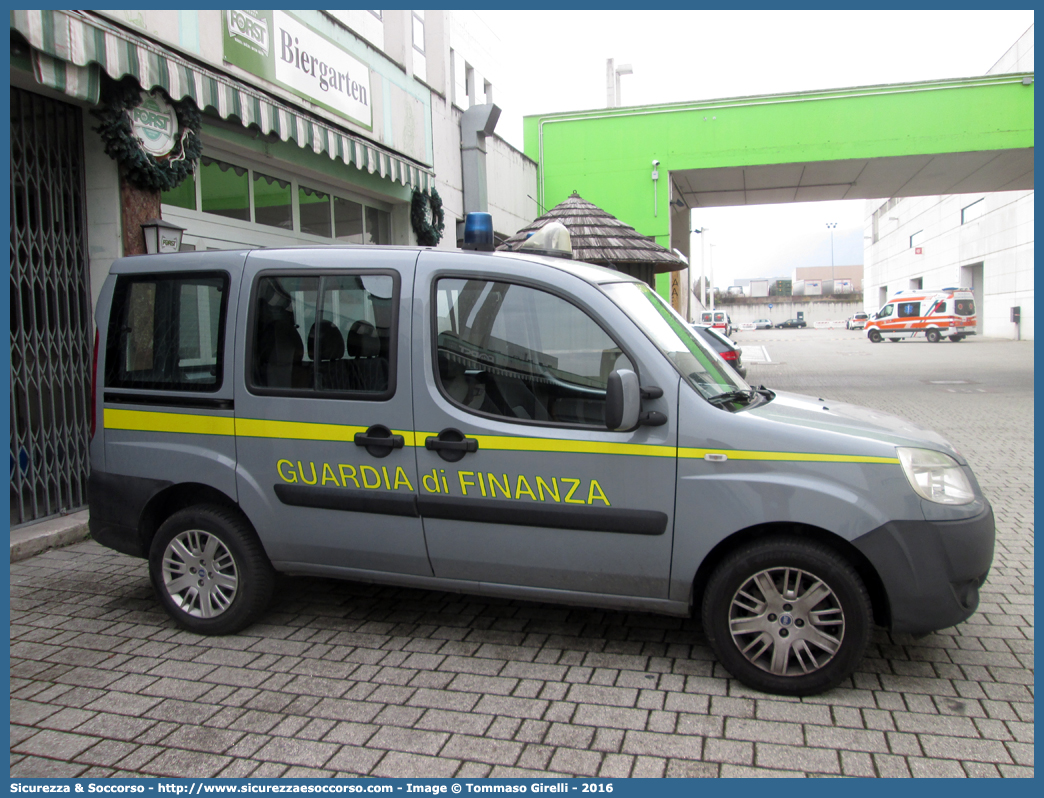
279	48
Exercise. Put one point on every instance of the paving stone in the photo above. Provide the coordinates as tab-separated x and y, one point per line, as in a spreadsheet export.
962	748
307	753
616	766
482	749
32	767
397	765
414	741
662	745
55	745
793	757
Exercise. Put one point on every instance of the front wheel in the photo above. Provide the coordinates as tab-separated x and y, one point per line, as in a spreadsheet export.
933	336
787	616
874	336
210	570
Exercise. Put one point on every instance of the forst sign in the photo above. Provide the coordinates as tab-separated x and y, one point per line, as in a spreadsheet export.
277	47
154	124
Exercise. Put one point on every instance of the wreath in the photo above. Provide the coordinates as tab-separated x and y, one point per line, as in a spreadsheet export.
428	218
143	169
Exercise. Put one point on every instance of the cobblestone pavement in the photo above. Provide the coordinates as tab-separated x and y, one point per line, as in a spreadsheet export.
355	679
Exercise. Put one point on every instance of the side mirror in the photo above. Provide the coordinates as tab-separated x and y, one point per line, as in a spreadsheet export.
623	400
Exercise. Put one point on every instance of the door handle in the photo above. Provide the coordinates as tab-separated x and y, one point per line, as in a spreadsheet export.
379	440
451	444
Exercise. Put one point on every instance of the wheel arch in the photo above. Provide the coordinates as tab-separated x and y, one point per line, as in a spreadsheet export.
177	497
874	586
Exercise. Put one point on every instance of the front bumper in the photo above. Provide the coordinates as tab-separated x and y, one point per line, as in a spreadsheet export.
931	570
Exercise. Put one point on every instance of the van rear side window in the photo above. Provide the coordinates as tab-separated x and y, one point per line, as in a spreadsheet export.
333	334
166	332
908	309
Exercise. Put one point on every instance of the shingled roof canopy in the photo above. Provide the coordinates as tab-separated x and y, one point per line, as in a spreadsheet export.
598	237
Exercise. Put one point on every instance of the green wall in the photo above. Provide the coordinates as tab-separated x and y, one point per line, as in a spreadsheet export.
606	154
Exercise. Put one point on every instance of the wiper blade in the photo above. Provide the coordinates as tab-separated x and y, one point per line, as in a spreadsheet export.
732	396
769	395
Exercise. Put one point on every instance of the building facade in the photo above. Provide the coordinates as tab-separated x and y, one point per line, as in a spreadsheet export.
981	240
314	128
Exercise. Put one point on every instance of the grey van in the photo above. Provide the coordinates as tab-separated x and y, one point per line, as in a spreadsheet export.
513	425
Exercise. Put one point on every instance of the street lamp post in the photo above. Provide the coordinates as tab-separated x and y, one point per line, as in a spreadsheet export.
703	260
830	227
712	276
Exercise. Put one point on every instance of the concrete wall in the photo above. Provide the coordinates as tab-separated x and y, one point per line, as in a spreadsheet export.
781	311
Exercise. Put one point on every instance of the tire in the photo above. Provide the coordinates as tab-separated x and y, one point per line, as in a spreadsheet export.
932	336
956	338
238	577
894	340
748	625
874	336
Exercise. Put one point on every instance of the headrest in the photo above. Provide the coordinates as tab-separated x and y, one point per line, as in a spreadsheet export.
363	340
331	345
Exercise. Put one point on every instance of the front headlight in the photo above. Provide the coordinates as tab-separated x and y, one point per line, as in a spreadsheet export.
935	476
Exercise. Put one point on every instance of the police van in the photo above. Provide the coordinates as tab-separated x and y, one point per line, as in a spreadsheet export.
514	424
948	312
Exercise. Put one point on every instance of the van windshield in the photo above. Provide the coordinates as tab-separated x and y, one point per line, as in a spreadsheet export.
701	367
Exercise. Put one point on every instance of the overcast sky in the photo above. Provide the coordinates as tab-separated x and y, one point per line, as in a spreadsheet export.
555	61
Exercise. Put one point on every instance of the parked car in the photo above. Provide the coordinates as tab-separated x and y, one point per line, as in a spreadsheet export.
724	346
791	323
762	324
856	322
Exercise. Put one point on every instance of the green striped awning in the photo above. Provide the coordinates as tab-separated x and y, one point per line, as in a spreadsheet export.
70	49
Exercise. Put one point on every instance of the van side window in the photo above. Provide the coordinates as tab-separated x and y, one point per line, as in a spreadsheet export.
167	332
329	335
906	310
885	312
940	307
517	352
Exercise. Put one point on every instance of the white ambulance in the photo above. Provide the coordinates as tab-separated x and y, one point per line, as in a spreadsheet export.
947	312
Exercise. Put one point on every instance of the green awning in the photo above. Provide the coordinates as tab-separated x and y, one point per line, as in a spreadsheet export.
71	48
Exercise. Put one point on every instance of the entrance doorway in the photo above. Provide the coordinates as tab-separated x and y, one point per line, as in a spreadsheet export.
50	310
971	277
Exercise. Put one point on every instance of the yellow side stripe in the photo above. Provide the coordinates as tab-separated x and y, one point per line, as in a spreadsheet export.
189	423
153	421
804	457
305	431
511	444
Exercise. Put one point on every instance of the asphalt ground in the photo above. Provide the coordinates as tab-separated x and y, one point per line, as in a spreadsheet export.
354	679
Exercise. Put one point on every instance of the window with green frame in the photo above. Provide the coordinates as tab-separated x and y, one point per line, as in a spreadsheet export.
225	189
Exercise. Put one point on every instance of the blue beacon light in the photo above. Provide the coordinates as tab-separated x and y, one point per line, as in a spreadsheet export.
478	232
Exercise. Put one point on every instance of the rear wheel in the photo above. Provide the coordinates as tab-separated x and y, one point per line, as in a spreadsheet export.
933	336
956	338
787	616
894	340
874	336
210	570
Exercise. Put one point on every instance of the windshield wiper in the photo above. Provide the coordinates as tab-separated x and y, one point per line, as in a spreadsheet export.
732	396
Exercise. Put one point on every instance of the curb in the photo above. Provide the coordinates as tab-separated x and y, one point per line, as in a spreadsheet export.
31	540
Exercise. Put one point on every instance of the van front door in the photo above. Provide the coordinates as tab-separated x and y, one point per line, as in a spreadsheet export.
324	413
520	481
